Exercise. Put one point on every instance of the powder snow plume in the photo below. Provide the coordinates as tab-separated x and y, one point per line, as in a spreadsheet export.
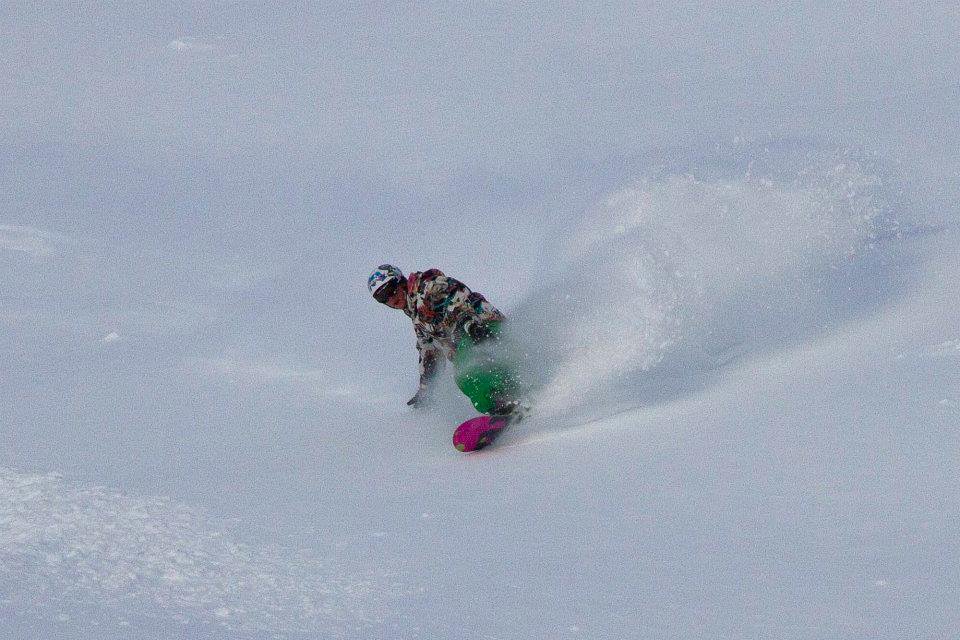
694	263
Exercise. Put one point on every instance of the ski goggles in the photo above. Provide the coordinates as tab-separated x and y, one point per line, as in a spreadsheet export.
386	291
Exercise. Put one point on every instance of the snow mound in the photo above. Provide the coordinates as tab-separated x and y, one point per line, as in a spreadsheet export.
687	268
71	548
32	241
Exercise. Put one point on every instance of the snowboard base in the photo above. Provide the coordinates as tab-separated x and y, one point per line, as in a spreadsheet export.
477	433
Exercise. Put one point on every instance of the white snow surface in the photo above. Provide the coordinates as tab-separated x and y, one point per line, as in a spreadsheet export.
726	238
88	548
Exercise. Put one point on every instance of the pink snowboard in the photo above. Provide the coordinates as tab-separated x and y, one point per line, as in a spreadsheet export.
476	433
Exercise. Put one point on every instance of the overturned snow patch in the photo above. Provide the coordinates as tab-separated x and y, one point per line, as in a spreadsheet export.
186	45
68	547
320	382
30	240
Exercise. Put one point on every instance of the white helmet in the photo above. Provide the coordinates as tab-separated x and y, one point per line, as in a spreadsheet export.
383	275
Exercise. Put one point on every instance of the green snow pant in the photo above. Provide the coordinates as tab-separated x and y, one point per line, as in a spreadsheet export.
483	377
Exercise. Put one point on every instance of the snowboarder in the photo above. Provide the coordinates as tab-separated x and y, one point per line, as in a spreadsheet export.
450	321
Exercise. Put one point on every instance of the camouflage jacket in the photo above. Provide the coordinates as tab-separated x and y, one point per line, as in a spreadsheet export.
442	310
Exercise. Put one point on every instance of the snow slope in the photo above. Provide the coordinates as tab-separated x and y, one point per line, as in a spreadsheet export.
726	238
806	492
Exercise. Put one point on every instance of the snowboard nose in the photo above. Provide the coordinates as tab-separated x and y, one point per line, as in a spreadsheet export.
477	433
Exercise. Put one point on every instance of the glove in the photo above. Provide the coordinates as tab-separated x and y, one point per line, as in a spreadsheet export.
419	398
478	332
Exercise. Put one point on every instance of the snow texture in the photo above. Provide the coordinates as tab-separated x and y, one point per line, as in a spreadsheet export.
726	239
69	549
